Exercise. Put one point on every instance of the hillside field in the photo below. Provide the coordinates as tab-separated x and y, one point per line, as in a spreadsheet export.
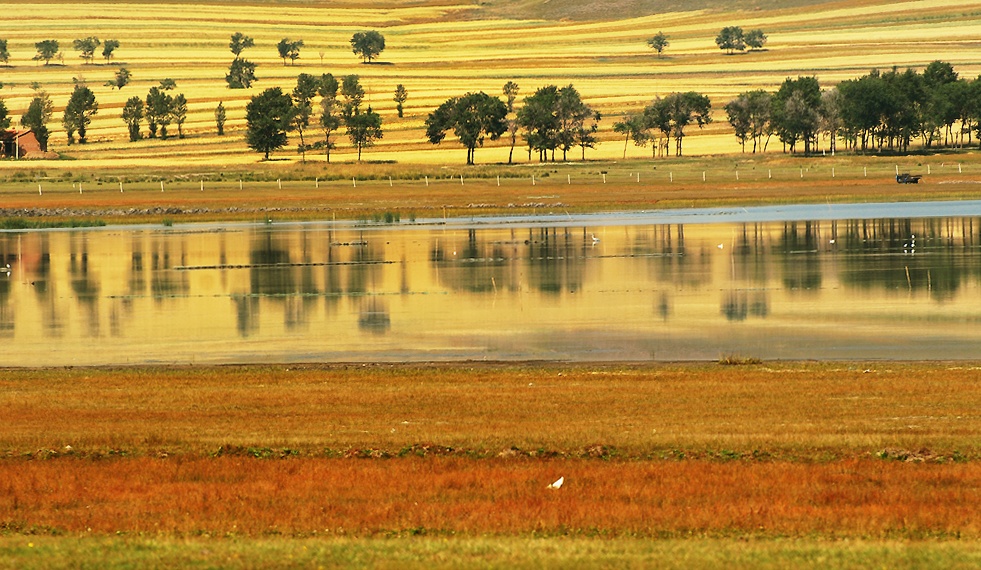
443	49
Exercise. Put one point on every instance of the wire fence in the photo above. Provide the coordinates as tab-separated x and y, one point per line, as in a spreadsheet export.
547	175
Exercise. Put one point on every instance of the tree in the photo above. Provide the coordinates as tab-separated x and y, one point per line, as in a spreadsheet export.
658	43
4	52
795	111
866	101
289	49
830	116
731	39
303	94
511	90
4	116
352	91
159	111
632	127
133	117
573	116
749	114
268	116
120	80
363	128
87	47
239	43
241	74
78	113
368	45
38	115
678	110
330	121
108	47
737	111
220	117
658	127
46	50
179	112
755	39
473	117
400	97
541	124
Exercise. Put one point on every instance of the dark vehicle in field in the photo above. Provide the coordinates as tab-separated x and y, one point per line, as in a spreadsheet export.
907	178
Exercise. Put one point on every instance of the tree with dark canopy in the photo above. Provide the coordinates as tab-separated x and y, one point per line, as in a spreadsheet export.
268	116
37	116
472	118
78	113
368	45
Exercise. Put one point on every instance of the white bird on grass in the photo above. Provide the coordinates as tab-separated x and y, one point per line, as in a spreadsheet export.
557	484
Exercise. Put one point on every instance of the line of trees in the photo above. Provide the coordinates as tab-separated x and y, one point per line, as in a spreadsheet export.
665	119
50	49
554	118
878	111
273	114
160	111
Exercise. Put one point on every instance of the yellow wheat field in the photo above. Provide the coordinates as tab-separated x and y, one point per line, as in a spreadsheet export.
438	51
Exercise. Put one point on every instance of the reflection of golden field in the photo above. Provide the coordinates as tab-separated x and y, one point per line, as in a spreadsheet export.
441	51
798	449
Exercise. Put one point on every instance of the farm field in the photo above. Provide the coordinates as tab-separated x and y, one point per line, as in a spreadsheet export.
438	50
351	464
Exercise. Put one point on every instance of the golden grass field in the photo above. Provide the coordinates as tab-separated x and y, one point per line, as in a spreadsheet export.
441	49
775	465
828	456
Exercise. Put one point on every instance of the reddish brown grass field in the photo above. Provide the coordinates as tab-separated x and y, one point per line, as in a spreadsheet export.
440	495
801	449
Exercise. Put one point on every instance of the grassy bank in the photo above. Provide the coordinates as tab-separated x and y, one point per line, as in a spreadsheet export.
417	191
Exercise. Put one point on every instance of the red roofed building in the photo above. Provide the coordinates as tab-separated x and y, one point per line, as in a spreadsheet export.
20	144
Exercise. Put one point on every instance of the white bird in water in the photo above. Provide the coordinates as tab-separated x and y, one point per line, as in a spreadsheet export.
595	239
557	484
721	245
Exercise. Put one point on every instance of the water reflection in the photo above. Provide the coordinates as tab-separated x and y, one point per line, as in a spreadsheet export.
886	288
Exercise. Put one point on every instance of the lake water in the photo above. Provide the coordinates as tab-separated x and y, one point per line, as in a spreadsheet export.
896	281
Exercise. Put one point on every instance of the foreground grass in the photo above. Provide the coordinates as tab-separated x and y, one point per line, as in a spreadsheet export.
808	411
484	552
768	465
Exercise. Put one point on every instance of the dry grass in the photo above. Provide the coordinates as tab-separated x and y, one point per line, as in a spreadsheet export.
858	450
802	411
457	496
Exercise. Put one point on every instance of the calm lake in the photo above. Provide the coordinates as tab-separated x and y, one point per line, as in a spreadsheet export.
893	281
